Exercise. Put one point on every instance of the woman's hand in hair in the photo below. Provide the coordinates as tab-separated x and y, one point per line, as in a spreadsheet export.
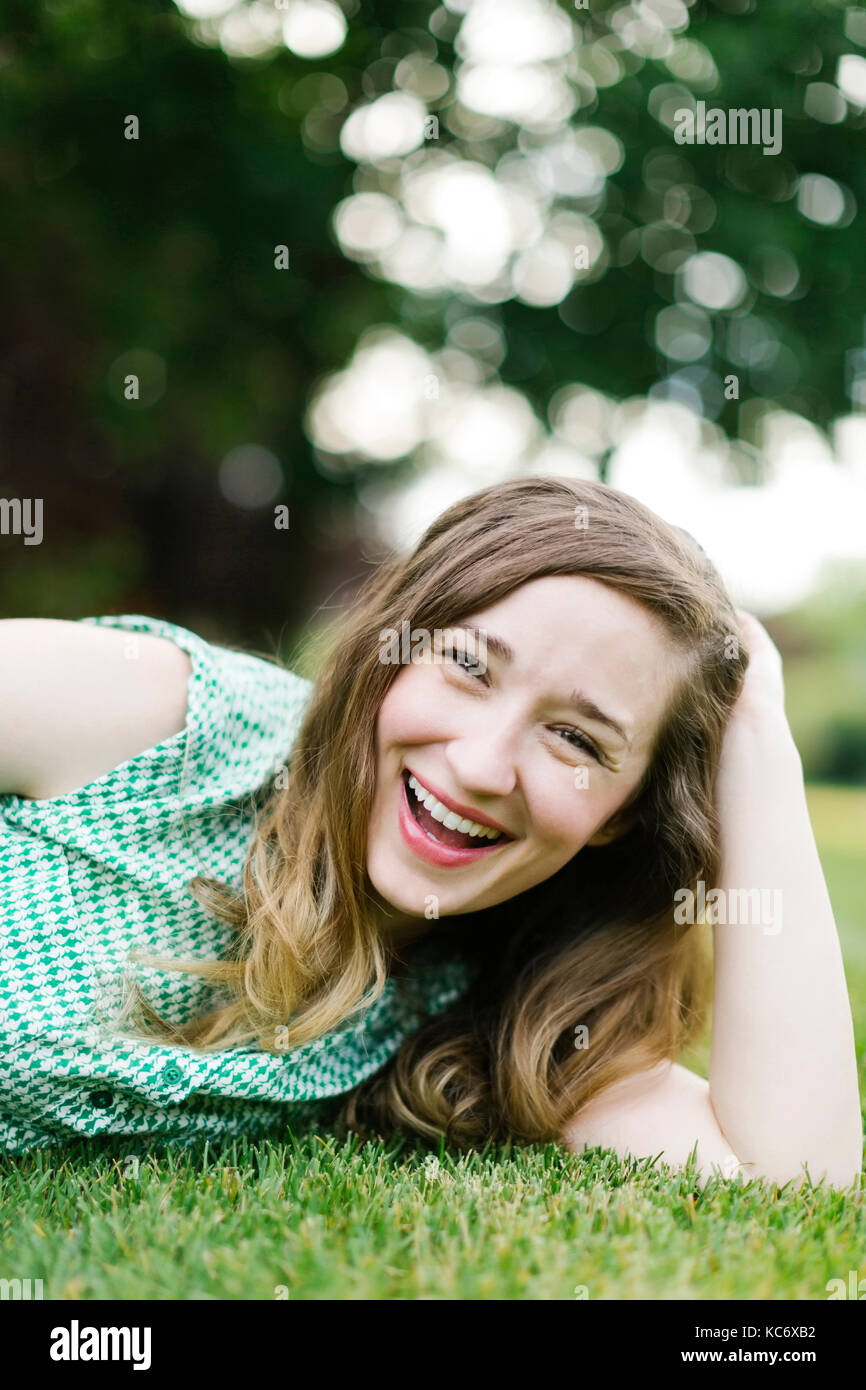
764	686
757	727
777	960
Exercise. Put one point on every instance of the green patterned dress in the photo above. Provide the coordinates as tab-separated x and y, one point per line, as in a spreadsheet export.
88	876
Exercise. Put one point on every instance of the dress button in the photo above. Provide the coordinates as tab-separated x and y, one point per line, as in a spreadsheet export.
172	1074
101	1099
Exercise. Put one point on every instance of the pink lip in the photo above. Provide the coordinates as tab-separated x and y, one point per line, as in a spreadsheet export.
426	848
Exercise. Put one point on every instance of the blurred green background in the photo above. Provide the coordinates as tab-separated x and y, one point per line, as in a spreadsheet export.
495	259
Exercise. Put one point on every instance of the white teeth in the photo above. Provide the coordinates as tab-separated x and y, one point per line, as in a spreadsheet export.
450	819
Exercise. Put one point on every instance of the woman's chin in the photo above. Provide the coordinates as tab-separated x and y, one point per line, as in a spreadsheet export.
396	890
402	895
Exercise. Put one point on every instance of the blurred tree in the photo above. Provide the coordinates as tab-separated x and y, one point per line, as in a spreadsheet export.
155	257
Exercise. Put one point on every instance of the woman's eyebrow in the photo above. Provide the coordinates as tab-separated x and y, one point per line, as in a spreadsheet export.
578	698
497	645
590	709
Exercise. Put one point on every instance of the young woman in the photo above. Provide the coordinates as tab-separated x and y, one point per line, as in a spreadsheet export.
457	887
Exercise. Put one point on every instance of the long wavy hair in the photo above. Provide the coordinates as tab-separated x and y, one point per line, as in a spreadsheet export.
595	944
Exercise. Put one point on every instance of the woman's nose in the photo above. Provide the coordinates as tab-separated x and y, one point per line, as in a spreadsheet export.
483	763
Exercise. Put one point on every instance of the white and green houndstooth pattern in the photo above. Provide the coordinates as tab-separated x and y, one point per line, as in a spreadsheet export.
88	876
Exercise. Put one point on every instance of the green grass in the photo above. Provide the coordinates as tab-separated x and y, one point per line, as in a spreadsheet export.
351	1221
315	1217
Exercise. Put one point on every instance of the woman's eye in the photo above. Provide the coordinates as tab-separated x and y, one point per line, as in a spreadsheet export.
466	661
575	739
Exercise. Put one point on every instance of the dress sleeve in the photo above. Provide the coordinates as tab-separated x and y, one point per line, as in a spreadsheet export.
243	714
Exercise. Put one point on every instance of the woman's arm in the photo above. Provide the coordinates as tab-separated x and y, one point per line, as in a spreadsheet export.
664	1112
783	1075
783	1069
77	700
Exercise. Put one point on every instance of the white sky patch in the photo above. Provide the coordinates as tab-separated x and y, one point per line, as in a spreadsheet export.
485	432
400	516
770	543
560	459
583	418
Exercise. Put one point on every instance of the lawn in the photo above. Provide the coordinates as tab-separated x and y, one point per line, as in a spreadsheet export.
315	1217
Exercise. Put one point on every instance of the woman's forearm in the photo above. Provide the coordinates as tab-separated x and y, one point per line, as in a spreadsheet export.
783	1071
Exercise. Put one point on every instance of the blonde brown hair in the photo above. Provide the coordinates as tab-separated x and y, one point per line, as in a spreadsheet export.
595	944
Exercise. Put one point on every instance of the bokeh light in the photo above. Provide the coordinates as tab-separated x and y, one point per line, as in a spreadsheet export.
313	28
250	476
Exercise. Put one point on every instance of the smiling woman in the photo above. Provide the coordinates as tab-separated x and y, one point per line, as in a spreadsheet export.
513	736
457	913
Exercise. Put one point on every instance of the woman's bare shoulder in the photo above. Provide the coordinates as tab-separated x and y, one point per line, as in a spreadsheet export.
78	699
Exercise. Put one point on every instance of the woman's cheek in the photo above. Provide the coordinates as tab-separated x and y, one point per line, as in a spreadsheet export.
412	710
559	814
570	814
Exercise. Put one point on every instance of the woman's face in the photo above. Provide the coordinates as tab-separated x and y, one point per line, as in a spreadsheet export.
544	744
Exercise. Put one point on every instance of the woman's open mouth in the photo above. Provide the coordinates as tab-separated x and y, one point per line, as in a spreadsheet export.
438	832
